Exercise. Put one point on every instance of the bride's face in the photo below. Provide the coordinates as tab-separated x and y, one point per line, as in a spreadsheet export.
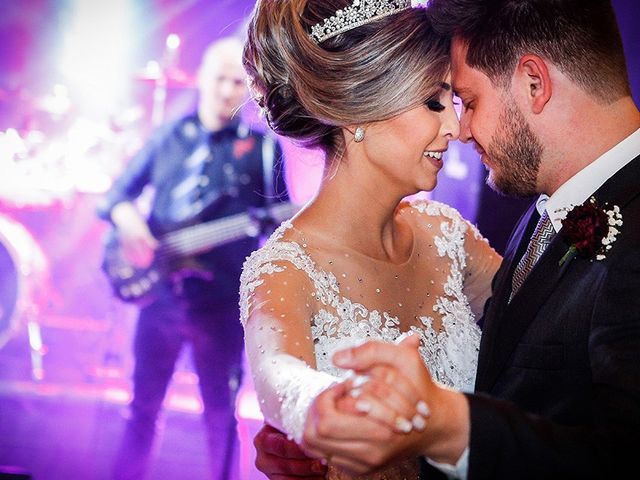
410	147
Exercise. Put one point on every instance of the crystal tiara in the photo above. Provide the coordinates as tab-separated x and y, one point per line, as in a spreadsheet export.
359	13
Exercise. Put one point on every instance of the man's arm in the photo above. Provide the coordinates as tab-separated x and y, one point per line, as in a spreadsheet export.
507	442
282	459
134	178
602	443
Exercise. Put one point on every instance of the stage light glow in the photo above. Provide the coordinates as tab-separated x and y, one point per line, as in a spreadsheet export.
185	403
117	395
173	42
247	406
97	47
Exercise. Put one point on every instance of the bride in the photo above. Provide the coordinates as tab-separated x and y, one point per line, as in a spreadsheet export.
368	83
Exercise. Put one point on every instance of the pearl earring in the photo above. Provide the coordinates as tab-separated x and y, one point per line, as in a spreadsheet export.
359	135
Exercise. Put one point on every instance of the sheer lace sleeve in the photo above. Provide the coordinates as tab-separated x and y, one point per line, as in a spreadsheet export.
277	305
482	264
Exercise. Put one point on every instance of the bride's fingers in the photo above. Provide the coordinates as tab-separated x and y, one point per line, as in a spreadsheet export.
392	389
326	422
391	411
403	358
389	395
320	429
397	381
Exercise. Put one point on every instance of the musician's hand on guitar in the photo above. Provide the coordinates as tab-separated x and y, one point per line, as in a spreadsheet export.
138	250
138	244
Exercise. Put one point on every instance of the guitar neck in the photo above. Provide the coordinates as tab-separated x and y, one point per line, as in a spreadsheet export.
205	236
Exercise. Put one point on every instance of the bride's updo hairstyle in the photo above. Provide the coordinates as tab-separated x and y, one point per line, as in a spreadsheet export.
309	90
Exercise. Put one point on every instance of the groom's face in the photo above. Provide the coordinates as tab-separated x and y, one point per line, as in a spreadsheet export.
493	122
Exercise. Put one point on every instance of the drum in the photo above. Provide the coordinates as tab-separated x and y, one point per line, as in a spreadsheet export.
23	276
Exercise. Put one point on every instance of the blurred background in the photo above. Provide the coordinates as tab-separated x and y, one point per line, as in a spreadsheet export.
82	84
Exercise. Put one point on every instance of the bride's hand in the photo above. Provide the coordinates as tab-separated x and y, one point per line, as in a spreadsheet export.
363	422
338	434
446	432
354	441
387	398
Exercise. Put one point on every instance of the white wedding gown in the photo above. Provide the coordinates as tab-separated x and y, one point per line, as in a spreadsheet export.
300	303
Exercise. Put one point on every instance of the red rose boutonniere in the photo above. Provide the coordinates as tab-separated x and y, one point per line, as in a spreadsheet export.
590	230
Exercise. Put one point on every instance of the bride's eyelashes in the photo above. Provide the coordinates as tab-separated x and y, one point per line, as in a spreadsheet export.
434	105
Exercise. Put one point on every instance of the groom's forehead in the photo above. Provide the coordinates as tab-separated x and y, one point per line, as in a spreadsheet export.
465	79
459	67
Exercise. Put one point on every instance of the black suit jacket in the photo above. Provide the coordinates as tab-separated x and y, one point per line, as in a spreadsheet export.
558	383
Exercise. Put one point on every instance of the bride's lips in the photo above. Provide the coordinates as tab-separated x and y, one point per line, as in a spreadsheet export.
435	157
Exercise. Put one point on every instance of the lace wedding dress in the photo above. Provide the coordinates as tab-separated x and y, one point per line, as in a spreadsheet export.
301	300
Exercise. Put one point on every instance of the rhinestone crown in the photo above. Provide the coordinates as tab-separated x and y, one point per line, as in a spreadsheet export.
359	13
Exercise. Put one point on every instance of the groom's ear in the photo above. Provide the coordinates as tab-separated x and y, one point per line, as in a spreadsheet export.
533	76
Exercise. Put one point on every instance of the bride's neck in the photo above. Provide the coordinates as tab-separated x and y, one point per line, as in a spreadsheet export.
359	216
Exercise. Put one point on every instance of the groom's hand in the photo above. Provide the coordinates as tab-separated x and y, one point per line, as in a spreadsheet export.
363	423
447	429
282	459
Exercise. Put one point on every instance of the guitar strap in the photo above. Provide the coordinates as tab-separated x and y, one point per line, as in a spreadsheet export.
268	160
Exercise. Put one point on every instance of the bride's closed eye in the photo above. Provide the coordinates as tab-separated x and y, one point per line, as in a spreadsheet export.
434	105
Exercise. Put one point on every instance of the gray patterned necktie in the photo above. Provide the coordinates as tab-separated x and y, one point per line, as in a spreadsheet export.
540	239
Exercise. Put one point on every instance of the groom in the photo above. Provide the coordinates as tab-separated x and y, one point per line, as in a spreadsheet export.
547	104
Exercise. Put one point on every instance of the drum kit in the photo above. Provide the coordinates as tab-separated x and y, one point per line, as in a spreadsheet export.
56	156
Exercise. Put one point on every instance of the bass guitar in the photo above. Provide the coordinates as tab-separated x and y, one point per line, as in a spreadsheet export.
176	249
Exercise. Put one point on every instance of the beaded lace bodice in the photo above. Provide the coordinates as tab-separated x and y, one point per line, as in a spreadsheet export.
300	303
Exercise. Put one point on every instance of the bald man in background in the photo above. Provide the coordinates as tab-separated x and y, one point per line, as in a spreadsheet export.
202	168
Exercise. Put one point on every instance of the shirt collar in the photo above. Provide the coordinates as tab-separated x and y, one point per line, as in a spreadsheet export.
230	128
584	183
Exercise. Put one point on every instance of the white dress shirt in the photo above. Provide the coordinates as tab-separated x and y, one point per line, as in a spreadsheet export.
583	184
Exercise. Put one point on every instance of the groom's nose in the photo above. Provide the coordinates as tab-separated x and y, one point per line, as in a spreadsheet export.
451	125
465	127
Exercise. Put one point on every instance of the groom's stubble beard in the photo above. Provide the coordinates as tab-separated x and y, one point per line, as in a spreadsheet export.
515	154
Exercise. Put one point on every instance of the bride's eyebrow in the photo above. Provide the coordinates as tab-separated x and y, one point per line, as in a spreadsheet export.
445	86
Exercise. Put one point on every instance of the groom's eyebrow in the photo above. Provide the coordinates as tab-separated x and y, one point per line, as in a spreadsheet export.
457	91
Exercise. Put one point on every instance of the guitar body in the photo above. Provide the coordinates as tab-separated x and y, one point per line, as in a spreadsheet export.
130	283
174	258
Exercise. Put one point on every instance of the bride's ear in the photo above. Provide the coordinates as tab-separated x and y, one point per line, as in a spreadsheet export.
532	75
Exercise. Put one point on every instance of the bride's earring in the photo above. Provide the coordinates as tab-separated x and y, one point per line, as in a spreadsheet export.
359	135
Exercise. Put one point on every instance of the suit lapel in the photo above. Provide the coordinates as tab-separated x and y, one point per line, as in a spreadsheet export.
517	316
508	321
502	288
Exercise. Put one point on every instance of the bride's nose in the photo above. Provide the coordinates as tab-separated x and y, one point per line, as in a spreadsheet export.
450	125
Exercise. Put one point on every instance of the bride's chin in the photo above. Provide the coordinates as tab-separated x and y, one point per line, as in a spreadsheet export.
430	184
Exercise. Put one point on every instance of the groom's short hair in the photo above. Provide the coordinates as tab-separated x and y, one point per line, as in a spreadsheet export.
580	37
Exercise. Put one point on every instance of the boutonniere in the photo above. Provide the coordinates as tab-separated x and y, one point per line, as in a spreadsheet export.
590	230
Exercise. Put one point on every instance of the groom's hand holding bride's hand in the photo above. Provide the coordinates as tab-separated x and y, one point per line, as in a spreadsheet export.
282	459
361	432
348	428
